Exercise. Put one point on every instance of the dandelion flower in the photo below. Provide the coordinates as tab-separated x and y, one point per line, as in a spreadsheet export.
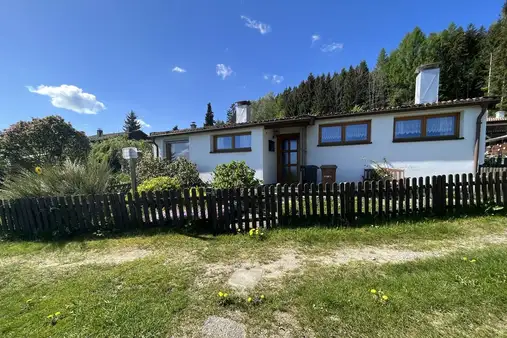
262	234
249	299
262	296
384	297
251	232
38	170
220	294
373	291
465	258
225	295
473	261
58	313
257	231
29	300
50	317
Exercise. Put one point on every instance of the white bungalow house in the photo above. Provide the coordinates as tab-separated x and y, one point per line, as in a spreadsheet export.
423	139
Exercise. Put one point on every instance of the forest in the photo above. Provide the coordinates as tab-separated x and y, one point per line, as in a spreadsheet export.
472	60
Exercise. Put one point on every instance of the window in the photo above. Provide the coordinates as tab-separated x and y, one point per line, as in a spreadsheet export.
175	149
345	133
232	143
422	128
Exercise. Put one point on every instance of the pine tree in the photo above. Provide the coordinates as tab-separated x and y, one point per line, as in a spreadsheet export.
378	86
131	123
209	118
362	76
231	114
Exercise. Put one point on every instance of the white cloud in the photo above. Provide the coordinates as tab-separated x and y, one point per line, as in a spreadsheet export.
143	124
223	70
277	79
179	70
315	37
274	78
71	98
331	47
263	28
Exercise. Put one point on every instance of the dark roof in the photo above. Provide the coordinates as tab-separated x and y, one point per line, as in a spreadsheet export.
301	119
136	135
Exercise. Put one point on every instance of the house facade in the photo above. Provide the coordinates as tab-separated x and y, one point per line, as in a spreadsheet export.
423	139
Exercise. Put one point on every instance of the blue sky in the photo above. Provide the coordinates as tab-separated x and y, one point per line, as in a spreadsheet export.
118	55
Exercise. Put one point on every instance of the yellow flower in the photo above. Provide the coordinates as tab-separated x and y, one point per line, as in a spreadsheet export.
262	296
249	299
50	317
225	295
473	261
251	232
58	313
38	170
262	234
384	297
373	291
220	294
29	300
257	231
465	259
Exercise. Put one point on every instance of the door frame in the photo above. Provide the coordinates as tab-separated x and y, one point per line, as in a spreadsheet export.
279	159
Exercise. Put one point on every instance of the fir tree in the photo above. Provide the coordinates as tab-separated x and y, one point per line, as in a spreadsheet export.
209	118
131	123
231	114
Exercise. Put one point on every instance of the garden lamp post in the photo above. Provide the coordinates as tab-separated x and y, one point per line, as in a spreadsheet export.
130	154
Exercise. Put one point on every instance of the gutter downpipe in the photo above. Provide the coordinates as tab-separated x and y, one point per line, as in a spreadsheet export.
478	125
156	146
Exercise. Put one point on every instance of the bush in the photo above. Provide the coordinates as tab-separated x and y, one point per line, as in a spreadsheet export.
149	167
120	178
69	178
185	172
159	184
234	175
110	151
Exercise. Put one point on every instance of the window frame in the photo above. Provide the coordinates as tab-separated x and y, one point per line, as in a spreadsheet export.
233	148
424	119
168	146
344	125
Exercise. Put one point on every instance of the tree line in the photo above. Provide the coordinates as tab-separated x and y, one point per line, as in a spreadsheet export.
465	56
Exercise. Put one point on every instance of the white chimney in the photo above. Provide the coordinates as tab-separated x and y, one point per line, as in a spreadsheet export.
243	112
500	114
427	83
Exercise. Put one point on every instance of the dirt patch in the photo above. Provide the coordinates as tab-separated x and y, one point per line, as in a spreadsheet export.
89	258
284	325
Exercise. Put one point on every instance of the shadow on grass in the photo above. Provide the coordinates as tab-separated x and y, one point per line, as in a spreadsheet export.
205	231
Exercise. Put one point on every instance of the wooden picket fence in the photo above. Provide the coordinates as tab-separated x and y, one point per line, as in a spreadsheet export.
222	210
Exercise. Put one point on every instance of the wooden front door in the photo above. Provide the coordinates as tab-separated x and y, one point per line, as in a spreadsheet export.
288	158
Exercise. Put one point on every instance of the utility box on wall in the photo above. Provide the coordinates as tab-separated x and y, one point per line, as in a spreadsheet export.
328	173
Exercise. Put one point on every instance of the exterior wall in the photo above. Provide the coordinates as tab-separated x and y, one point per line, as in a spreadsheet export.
200	152
269	158
417	158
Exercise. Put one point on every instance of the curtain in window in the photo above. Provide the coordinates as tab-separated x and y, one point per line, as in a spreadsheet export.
356	132
408	128
224	142
440	126
331	134
243	141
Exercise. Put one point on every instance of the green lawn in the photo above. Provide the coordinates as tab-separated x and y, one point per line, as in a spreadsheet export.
155	284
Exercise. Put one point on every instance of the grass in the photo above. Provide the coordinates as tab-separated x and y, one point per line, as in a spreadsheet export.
173	290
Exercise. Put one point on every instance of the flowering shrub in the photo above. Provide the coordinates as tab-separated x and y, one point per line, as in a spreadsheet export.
380	296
